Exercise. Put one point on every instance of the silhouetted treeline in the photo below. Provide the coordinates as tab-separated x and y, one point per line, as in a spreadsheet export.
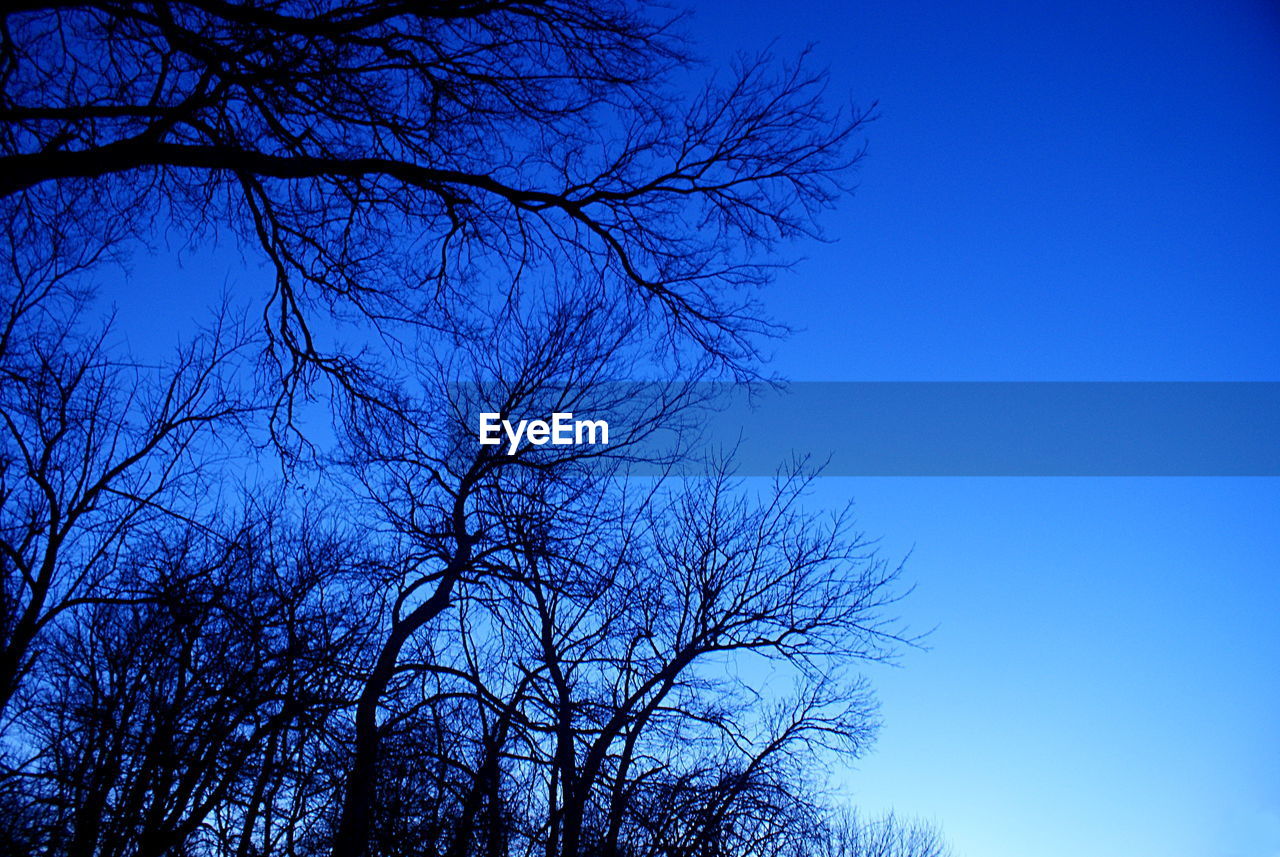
270	596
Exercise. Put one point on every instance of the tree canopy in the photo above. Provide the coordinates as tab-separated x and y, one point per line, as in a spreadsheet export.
404	641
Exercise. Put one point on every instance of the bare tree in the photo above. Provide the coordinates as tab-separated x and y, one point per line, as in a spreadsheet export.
465	512
178	716
395	160
420	644
91	447
656	685
851	835
612	676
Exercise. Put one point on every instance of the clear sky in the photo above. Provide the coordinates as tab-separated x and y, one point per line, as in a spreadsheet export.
1084	191
1071	191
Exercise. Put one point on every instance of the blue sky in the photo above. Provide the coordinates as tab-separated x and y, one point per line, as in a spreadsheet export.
1085	191
1101	680
1082	191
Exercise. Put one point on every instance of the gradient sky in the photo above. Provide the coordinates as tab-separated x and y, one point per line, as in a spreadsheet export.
1088	191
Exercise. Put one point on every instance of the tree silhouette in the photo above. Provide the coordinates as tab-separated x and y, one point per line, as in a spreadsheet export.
391	159
849	835
93	448
226	632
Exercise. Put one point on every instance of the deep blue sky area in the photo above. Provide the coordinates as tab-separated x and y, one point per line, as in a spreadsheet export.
1074	191
1084	191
